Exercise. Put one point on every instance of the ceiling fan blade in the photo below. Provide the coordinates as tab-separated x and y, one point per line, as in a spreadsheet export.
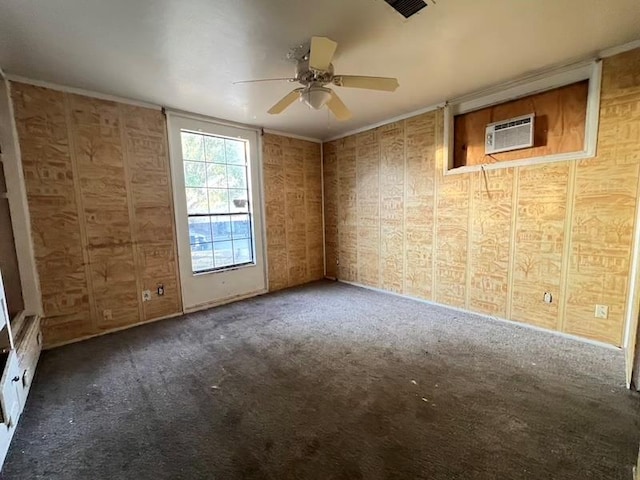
338	108
371	83
282	105
264	80
322	50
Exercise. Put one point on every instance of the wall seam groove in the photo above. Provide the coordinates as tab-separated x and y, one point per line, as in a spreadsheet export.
93	309
568	240
468	263
437	154
132	215
512	241
405	190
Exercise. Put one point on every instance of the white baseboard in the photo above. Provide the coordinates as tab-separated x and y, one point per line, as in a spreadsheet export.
490	317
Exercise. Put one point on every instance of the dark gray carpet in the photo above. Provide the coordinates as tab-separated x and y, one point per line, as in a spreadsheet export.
328	381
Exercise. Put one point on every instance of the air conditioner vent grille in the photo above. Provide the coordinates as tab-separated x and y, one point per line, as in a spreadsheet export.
407	8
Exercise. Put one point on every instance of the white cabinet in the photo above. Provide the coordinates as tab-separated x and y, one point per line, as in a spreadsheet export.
20	352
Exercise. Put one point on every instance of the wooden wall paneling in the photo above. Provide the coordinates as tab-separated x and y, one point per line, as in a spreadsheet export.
559	125
53	206
496	245
313	213
605	196
452	211
151	209
420	148
347	210
275	211
132	216
295	221
490	237
539	244
330	172
392	191
98	156
293	200
98	188
368	207
601	249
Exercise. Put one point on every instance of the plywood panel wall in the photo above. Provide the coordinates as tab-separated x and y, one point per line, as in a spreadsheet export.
293	200
493	242
99	196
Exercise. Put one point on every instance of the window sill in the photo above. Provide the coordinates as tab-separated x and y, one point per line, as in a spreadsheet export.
525	162
224	269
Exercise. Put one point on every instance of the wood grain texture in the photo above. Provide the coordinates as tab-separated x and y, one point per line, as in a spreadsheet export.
539	243
558	128
330	174
494	242
392	205
368	205
293	200
452	236
489	247
99	197
420	149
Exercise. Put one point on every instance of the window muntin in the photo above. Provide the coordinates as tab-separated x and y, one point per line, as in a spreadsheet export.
218	208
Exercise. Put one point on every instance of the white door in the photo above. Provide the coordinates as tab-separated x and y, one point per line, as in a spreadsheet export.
216	174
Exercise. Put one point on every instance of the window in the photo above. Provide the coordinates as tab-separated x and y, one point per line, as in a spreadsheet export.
569	93
218	207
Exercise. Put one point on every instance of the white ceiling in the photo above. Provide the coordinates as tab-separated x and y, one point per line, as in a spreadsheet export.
186	54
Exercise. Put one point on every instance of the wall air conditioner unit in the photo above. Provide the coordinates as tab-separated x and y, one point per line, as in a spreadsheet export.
509	134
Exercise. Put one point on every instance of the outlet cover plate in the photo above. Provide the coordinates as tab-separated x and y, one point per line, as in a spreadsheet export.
146	295
602	311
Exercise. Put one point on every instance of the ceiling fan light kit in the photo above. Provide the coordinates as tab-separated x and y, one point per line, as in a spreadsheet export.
314	71
316	96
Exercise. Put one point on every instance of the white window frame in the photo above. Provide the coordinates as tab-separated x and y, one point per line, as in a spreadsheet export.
216	287
250	211
591	71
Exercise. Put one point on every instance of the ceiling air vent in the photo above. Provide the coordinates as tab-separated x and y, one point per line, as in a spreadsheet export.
407	8
509	134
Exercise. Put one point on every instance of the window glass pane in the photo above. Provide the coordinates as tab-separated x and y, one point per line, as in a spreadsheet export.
216	175
218	200
221	226
237	176
197	200
202	257
238	201
240	226
216	186
192	147
223	254
214	148
235	150
242	251
195	174
199	230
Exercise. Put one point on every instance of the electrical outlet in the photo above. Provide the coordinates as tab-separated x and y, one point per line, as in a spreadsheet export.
547	297
146	295
602	311
160	289
107	315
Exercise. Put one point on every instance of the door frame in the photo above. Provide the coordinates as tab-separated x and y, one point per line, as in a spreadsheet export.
174	118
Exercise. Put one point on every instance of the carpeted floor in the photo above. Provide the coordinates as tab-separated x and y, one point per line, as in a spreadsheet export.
328	381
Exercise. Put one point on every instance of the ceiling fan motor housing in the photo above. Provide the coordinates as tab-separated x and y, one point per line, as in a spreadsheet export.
307	76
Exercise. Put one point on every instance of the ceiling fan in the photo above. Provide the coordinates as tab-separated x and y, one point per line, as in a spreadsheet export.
314	71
